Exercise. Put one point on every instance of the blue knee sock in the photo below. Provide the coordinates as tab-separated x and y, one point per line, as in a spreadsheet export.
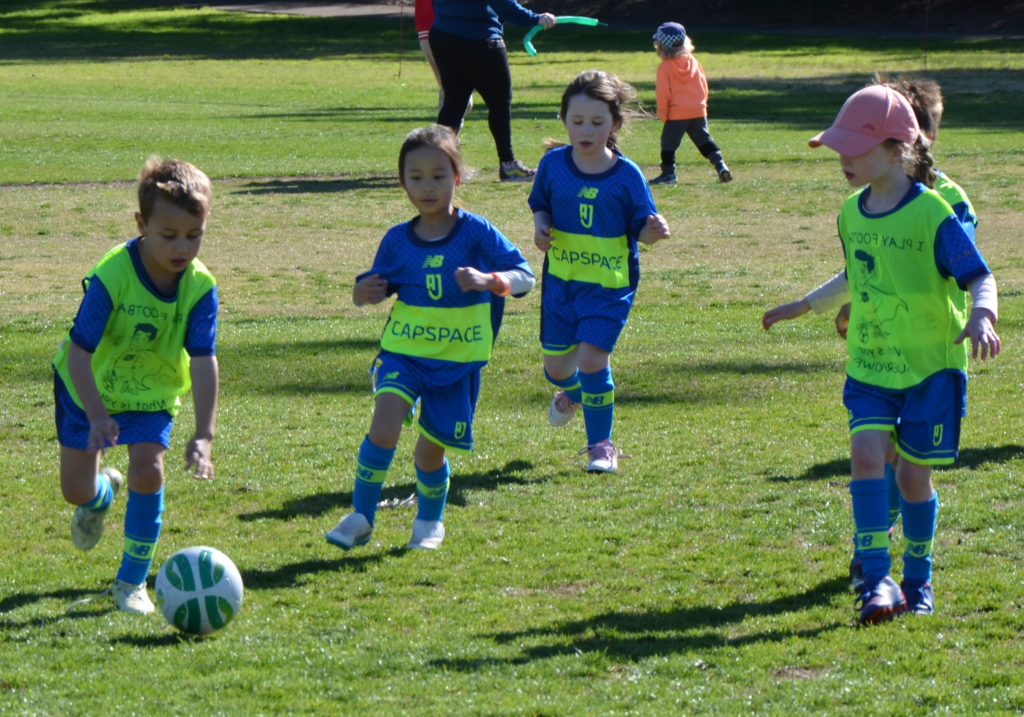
570	385
894	494
432	492
871	516
141	531
918	531
371	470
598	404
104	495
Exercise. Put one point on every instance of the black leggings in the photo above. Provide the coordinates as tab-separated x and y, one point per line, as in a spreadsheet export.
481	65
672	135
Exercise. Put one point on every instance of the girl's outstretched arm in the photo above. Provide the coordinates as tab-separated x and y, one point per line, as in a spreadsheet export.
984	314
792	310
205	385
370	290
656	230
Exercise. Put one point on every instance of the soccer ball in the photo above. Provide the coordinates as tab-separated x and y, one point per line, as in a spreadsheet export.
199	590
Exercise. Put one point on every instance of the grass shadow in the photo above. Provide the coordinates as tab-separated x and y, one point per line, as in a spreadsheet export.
838	468
287	576
153	641
319	186
633	636
972	458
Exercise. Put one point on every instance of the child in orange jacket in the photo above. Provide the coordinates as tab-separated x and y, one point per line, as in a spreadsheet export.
682	92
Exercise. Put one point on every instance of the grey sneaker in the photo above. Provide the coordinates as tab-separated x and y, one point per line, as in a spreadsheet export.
354	529
664	178
426	534
562	409
87	525
516	171
132	598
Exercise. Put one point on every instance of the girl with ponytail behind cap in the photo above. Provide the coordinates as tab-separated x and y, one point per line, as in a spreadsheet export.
909	264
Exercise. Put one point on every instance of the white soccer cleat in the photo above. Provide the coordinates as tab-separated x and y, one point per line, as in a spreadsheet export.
354	529
604	457
87	525
426	534
132	598
562	409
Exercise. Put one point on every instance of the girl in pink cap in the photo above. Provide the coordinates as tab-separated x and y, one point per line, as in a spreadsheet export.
909	262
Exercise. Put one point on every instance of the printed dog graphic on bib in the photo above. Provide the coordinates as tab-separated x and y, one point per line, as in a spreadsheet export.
880	307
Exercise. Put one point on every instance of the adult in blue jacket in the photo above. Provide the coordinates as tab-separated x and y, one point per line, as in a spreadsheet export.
466	39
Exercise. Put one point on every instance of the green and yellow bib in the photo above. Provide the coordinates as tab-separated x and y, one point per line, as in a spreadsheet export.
140	363
904	314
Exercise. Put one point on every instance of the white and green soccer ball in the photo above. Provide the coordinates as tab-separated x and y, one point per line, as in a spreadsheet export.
199	590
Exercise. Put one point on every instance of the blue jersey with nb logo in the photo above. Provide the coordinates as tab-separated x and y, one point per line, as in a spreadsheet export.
595	221
445	333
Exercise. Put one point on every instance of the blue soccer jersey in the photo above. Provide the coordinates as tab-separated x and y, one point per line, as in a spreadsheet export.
592	269
445	332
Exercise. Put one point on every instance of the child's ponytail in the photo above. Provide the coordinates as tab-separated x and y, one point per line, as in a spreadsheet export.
920	158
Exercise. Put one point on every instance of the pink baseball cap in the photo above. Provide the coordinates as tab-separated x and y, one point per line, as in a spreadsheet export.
868	118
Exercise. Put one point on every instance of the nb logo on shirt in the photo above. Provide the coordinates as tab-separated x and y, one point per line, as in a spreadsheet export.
434	286
434	261
588	193
587	215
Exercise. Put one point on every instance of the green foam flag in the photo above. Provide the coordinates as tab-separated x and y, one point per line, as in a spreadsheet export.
564	20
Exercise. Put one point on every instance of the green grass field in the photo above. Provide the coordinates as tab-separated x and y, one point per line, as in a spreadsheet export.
707	577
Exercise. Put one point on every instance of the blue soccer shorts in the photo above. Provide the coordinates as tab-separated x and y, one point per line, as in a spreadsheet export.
574	311
136	426
446	413
924	419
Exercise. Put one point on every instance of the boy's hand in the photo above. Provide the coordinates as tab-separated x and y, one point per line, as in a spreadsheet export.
103	433
470	279
197	454
542	236
843	320
370	290
785	312
979	328
657	227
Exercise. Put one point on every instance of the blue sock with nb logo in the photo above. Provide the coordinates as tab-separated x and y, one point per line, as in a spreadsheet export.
598	404
432	492
104	495
141	531
894	494
371	470
570	385
871	518
918	532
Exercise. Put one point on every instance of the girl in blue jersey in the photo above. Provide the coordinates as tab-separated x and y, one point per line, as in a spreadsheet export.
590	206
909	262
451	271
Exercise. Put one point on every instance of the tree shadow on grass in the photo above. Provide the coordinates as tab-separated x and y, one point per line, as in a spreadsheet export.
319	186
634	636
287	576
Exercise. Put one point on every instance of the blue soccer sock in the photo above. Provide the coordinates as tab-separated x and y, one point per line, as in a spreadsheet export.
918	532
432	492
894	494
104	495
371	470
870	516
570	385
598	404
141	531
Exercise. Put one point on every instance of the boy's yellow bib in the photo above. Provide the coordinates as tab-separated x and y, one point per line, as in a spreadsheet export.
141	363
904	315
